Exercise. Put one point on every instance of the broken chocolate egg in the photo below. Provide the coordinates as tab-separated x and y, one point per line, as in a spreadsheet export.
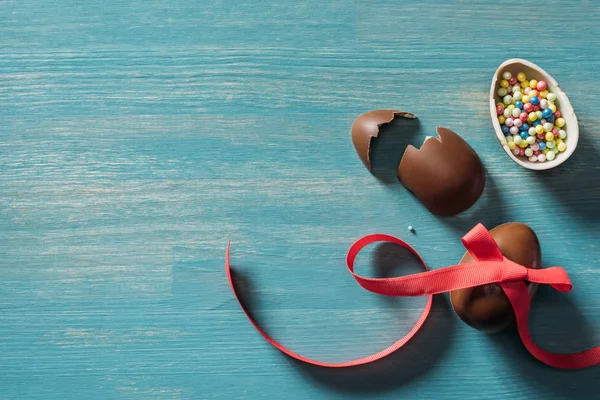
445	174
366	127
486	307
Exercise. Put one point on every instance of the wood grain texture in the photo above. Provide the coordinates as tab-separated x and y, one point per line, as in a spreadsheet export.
137	137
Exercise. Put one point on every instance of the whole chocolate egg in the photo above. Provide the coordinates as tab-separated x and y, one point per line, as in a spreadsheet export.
486	307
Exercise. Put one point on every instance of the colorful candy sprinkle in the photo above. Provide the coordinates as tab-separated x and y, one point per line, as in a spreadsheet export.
529	118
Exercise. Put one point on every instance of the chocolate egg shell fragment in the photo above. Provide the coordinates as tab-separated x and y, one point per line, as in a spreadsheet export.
366	127
486	307
445	174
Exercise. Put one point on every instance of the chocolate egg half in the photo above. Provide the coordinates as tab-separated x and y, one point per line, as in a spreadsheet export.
486	307
445	174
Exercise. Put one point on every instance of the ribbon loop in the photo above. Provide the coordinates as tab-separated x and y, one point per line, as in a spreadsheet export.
481	245
490	266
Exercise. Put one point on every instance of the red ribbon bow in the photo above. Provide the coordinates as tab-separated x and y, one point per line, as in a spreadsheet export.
490	266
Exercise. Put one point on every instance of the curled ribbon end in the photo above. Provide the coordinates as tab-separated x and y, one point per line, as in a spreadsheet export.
563	287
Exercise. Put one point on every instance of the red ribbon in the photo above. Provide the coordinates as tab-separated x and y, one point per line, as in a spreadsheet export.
490	266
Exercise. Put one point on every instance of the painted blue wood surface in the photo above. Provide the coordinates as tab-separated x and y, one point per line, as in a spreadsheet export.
137	137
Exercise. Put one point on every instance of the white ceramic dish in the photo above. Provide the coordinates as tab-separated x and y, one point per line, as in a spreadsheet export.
532	71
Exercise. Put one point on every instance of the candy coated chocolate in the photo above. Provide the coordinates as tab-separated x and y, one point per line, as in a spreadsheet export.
366	127
445	174
486	307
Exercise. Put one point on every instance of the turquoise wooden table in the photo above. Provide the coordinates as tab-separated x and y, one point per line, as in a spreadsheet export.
137	137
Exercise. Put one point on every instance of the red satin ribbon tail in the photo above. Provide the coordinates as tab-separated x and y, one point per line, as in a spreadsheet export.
360	361
519	299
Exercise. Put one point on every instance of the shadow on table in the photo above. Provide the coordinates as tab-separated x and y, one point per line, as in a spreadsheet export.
571	384
388	148
488	210
410	362
243	288
391	259
576	182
